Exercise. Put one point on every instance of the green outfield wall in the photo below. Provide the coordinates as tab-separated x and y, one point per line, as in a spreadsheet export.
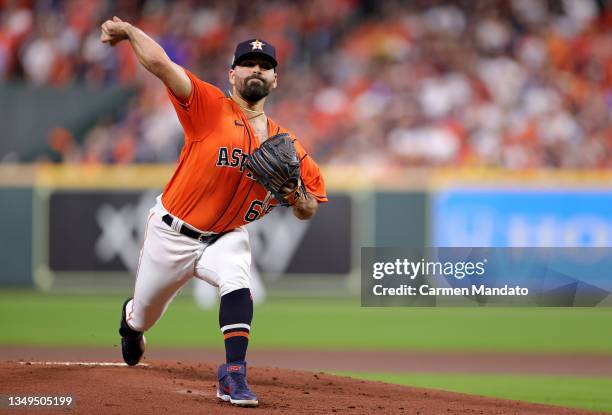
16	236
29	113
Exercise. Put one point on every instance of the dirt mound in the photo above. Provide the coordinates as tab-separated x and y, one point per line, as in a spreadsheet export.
391	361
173	387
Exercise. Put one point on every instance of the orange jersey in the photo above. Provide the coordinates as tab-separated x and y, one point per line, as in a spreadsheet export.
211	189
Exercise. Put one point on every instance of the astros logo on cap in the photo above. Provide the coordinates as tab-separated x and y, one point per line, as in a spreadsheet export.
251	47
257	45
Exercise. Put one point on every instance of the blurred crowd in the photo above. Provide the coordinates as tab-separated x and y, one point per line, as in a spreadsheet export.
510	83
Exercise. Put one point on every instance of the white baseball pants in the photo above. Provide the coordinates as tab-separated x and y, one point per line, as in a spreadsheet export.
168	260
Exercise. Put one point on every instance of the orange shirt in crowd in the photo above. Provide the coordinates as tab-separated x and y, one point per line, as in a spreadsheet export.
211	190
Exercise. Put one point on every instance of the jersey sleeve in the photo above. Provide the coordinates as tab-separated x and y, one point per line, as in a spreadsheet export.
200	112
311	174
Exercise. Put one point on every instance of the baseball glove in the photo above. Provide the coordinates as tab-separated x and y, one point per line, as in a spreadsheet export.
276	166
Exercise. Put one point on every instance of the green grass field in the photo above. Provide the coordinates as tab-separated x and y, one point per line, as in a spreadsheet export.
28	318
578	392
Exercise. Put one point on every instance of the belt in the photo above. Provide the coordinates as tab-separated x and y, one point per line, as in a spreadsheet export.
206	237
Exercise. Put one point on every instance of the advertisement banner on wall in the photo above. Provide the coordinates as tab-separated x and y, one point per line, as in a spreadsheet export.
502	218
102	231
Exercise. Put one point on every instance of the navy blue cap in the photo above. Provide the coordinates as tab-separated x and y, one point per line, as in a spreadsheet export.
254	48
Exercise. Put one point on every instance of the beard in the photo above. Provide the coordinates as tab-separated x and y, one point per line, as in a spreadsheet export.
254	91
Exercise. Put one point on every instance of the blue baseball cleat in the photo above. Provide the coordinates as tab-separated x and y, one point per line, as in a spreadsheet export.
233	386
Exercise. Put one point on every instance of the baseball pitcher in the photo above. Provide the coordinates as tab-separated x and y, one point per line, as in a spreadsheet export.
236	166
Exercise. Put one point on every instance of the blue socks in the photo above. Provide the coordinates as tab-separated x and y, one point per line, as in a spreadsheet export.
235	316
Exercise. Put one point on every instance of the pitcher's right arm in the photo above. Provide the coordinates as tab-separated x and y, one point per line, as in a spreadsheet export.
150	54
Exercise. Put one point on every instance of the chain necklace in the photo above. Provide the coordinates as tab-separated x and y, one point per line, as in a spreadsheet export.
257	113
